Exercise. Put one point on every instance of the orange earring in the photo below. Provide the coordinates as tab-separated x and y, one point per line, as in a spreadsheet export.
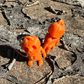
33	49
52	38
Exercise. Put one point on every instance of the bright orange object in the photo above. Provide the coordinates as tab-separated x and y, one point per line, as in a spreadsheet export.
33	49
52	38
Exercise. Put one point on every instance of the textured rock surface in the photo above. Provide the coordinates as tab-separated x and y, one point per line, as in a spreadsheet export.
77	11
64	59
71	42
73	2
70	80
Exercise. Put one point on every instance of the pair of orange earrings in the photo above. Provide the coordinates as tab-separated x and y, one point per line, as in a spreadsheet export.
32	45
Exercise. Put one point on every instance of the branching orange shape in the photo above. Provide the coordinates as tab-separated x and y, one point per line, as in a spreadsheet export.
52	38
33	49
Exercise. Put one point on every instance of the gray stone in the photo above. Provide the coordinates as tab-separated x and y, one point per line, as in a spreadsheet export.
3	1
10	78
8	38
71	42
16	18
78	11
55	11
73	2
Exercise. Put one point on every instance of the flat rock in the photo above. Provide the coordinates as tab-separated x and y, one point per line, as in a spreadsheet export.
28	74
70	80
63	58
73	2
